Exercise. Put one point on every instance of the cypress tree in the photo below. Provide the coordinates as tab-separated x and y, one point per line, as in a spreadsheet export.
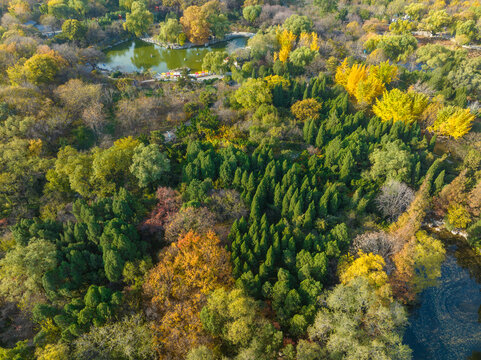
312	133
251	184
237	178
334	203
305	129
439	182
320	137
309	216
298	209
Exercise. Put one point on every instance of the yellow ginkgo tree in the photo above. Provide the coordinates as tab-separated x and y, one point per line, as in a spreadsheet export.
397	105
365	83
452	121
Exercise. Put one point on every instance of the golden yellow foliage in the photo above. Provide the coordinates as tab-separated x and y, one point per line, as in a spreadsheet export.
286	40
371	267
397	105
309	40
458	216
35	146
275	80
365	83
453	121
306	109
53	352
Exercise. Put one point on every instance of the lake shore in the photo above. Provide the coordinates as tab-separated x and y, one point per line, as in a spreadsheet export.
228	37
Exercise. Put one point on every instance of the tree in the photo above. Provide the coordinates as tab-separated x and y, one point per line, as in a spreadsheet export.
415	10
74	29
418	265
251	13
377	243
168	203
286	40
306	109
466	32
392	161
253	93
53	352
235	318
396	105
139	19
22	270
129	338
365	83
458	216
298	24
148	164
453	121
394	199
326	6
371	267
195	24
200	220
216	61
401	26
78	96
302	56
177	287
435	21
357	324
200	22
170	31
39	69
397	47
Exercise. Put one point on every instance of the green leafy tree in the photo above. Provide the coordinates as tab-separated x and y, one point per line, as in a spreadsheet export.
251	13
139	19
170	31
392	161
298	24
435	21
466	32
216	61
253	93
302	56
129	339
378	326
22	270
149	164
74	29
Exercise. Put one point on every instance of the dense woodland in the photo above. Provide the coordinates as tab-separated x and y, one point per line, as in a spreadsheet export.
280	212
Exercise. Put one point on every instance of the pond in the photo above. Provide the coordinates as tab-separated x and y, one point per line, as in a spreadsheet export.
446	324
138	55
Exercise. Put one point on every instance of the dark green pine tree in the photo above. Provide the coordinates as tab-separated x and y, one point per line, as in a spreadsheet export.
297	210
310	216
312	133
346	166
439	182
237	178
251	184
278	196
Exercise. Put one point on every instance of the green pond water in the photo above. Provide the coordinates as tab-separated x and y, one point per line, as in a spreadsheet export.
137	55
446	324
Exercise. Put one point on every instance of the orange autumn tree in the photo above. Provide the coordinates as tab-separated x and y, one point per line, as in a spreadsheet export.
178	287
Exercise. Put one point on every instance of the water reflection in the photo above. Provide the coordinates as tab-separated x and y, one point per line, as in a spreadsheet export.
137	55
446	323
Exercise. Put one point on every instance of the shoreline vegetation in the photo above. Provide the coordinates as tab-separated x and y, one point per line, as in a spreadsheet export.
227	37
